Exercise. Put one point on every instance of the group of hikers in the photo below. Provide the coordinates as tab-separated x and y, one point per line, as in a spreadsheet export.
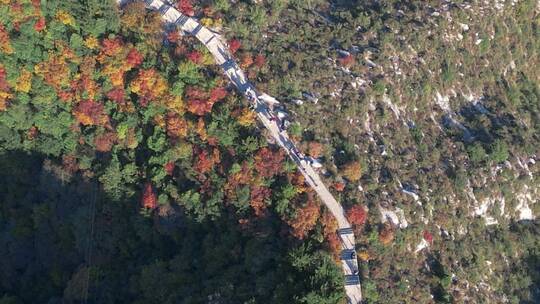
303	157
273	118
280	124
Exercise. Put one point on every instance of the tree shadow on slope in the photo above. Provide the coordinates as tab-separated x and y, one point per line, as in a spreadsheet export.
523	283
488	134
63	240
484	124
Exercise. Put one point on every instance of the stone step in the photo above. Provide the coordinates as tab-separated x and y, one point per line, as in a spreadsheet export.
352	280
348	254
348	230
164	8
181	20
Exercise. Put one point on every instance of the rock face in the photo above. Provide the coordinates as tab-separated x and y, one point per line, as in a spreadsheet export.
396	217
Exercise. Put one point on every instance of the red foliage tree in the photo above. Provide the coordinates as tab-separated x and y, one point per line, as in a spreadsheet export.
3	79
65	95
110	47
16	6
347	61
268	163
104	142
204	162
117	95
89	112
260	61
234	45
176	126
195	57
218	94
200	107
339	186
243	177
329	223
315	149
36	4
4	90
149	198
208	11
330	227
206	186
185	7
334	244
258	196
40	24
212	141
5	44
169	168
195	93
357	215
428	237
134	58
200	103
180	50
298	181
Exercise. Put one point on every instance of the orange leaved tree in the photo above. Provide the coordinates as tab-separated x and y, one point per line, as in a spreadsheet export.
234	45
315	149
89	112
353	171
386	235
258	197
305	220
104	142
330	227
268	163
357	215
185	7
134	58
177	127
149	198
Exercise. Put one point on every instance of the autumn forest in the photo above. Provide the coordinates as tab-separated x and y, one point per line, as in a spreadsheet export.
145	170
132	171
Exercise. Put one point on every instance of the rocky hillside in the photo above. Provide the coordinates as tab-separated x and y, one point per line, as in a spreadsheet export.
439	104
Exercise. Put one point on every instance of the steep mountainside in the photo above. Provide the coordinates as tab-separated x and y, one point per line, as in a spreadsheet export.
132	172
440	105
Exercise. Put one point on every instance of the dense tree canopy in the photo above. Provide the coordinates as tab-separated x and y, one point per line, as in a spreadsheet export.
130	172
